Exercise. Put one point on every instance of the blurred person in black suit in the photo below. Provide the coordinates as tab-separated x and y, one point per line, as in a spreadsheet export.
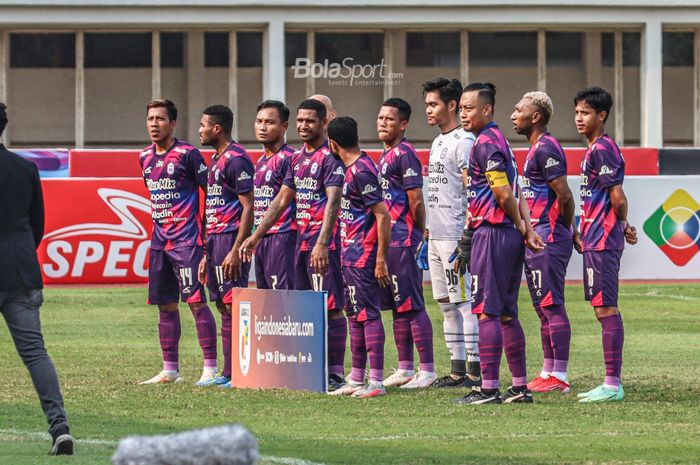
21	231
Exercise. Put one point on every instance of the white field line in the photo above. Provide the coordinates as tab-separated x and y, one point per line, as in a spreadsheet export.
653	293
108	442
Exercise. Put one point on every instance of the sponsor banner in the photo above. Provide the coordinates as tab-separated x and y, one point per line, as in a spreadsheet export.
96	231
279	339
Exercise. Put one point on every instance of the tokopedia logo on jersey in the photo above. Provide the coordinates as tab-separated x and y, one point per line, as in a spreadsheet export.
675	227
100	252
347	72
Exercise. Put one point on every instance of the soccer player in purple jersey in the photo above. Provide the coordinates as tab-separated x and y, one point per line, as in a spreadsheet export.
314	181
604	230
229	212
499	223
402	186
365	231
173	171
274	264
551	204
447	214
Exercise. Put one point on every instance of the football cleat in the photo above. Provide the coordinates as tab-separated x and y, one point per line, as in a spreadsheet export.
62	445
335	382
422	379
536	383
552	384
478	397
348	389
216	380
603	394
519	395
226	385
165	377
449	382
399	377
370	390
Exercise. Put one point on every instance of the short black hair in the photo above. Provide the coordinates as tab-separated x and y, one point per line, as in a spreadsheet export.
401	105
487	91
3	117
169	106
343	131
282	109
313	104
598	98
221	115
448	89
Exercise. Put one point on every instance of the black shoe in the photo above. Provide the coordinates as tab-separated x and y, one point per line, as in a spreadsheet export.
478	397
335	382
62	445
520	394
449	382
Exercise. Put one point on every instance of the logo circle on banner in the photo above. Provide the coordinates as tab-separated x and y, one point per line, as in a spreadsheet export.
680	228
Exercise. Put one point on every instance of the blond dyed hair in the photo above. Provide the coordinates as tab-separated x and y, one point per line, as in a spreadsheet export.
542	101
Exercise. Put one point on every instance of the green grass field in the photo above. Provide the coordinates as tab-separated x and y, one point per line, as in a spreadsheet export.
104	340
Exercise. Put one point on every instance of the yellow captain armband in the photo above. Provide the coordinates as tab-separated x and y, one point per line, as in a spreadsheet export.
497	178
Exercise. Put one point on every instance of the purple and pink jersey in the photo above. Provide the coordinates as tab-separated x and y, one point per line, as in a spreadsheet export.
269	176
602	168
401	171
309	175
173	179
490	153
545	162
230	174
358	226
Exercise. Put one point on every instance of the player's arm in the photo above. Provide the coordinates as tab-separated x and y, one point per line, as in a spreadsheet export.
232	263
36	210
565	199
278	205
502	192
619	205
415	202
319	254
381	214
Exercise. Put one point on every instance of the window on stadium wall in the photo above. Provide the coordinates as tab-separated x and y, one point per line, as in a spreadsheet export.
631	57
509	61
249	69
347	66
426	55
678	82
42	75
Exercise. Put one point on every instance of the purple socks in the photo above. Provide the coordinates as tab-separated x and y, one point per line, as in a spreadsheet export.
548	365
404	340
206	333
490	350
559	335
613	340
409	328
337	337
366	340
514	346
169	332
226	343
358	349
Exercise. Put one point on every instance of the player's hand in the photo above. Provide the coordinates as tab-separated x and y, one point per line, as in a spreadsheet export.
578	244
630	234
232	265
202	270
381	273
245	252
319	258
463	252
533	241
426	234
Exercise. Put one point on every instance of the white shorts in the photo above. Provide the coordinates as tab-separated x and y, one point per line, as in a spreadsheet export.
445	280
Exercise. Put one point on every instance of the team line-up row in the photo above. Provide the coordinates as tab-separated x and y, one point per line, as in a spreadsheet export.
358	231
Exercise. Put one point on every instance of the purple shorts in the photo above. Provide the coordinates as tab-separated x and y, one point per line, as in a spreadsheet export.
406	290
496	268
600	276
362	290
172	276
274	261
545	272
332	282
218	246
